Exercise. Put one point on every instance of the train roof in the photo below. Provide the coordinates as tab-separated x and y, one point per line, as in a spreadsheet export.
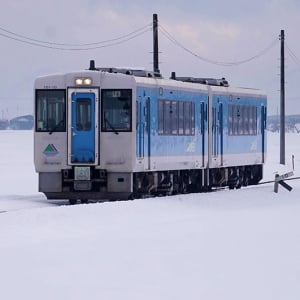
200	83
192	86
150	78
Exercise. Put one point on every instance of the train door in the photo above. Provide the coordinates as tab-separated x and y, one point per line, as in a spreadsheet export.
143	134
82	126
263	129
217	133
203	118
139	132
221	132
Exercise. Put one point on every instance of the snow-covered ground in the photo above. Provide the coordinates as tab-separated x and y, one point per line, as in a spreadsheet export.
241	244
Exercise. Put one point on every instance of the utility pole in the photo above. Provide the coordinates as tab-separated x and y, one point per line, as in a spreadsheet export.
282	101
155	45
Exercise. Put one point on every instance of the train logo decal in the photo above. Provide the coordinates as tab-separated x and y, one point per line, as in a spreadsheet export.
253	146
50	150
191	147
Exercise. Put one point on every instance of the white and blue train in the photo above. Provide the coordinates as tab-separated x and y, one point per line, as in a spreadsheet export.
107	133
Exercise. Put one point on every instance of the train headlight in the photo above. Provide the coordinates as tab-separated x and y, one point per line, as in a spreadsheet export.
87	81
78	81
83	81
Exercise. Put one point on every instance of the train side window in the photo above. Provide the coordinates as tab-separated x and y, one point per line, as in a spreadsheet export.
50	111
235	120
246	119
254	120
180	118
174	118
230	120
187	118
160	117
251	132
192	118
241	120
167	117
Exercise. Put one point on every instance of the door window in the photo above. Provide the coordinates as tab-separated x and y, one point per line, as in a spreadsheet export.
83	114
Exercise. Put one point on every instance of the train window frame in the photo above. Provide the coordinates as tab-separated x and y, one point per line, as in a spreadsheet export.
187	119
242	120
230	119
167	117
160	106
176	117
240	115
246	120
50	114
110	125
192	118
180	118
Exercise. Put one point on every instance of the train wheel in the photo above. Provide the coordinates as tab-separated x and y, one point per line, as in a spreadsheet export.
73	201
246	180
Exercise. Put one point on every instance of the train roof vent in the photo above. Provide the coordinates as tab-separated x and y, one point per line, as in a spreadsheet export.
127	71
208	81
133	72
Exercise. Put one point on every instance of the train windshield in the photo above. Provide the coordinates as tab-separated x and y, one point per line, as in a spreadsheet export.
116	110
50	110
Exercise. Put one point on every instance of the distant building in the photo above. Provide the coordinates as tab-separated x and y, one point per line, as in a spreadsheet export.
3	124
22	123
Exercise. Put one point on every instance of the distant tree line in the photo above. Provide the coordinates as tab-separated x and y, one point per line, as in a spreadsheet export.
292	123
19	123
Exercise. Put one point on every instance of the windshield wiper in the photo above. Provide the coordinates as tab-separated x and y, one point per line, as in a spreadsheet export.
56	126
110	125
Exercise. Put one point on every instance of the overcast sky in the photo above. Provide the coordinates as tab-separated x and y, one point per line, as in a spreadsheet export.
217	31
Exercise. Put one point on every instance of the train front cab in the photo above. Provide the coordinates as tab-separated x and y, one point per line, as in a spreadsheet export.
69	138
99	144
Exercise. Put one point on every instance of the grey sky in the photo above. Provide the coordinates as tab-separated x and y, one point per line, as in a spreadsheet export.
216	30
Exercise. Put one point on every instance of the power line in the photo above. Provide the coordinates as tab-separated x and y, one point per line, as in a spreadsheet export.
74	47
292	55
127	37
220	63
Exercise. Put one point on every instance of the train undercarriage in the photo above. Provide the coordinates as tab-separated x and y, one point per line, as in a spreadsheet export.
151	184
194	181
